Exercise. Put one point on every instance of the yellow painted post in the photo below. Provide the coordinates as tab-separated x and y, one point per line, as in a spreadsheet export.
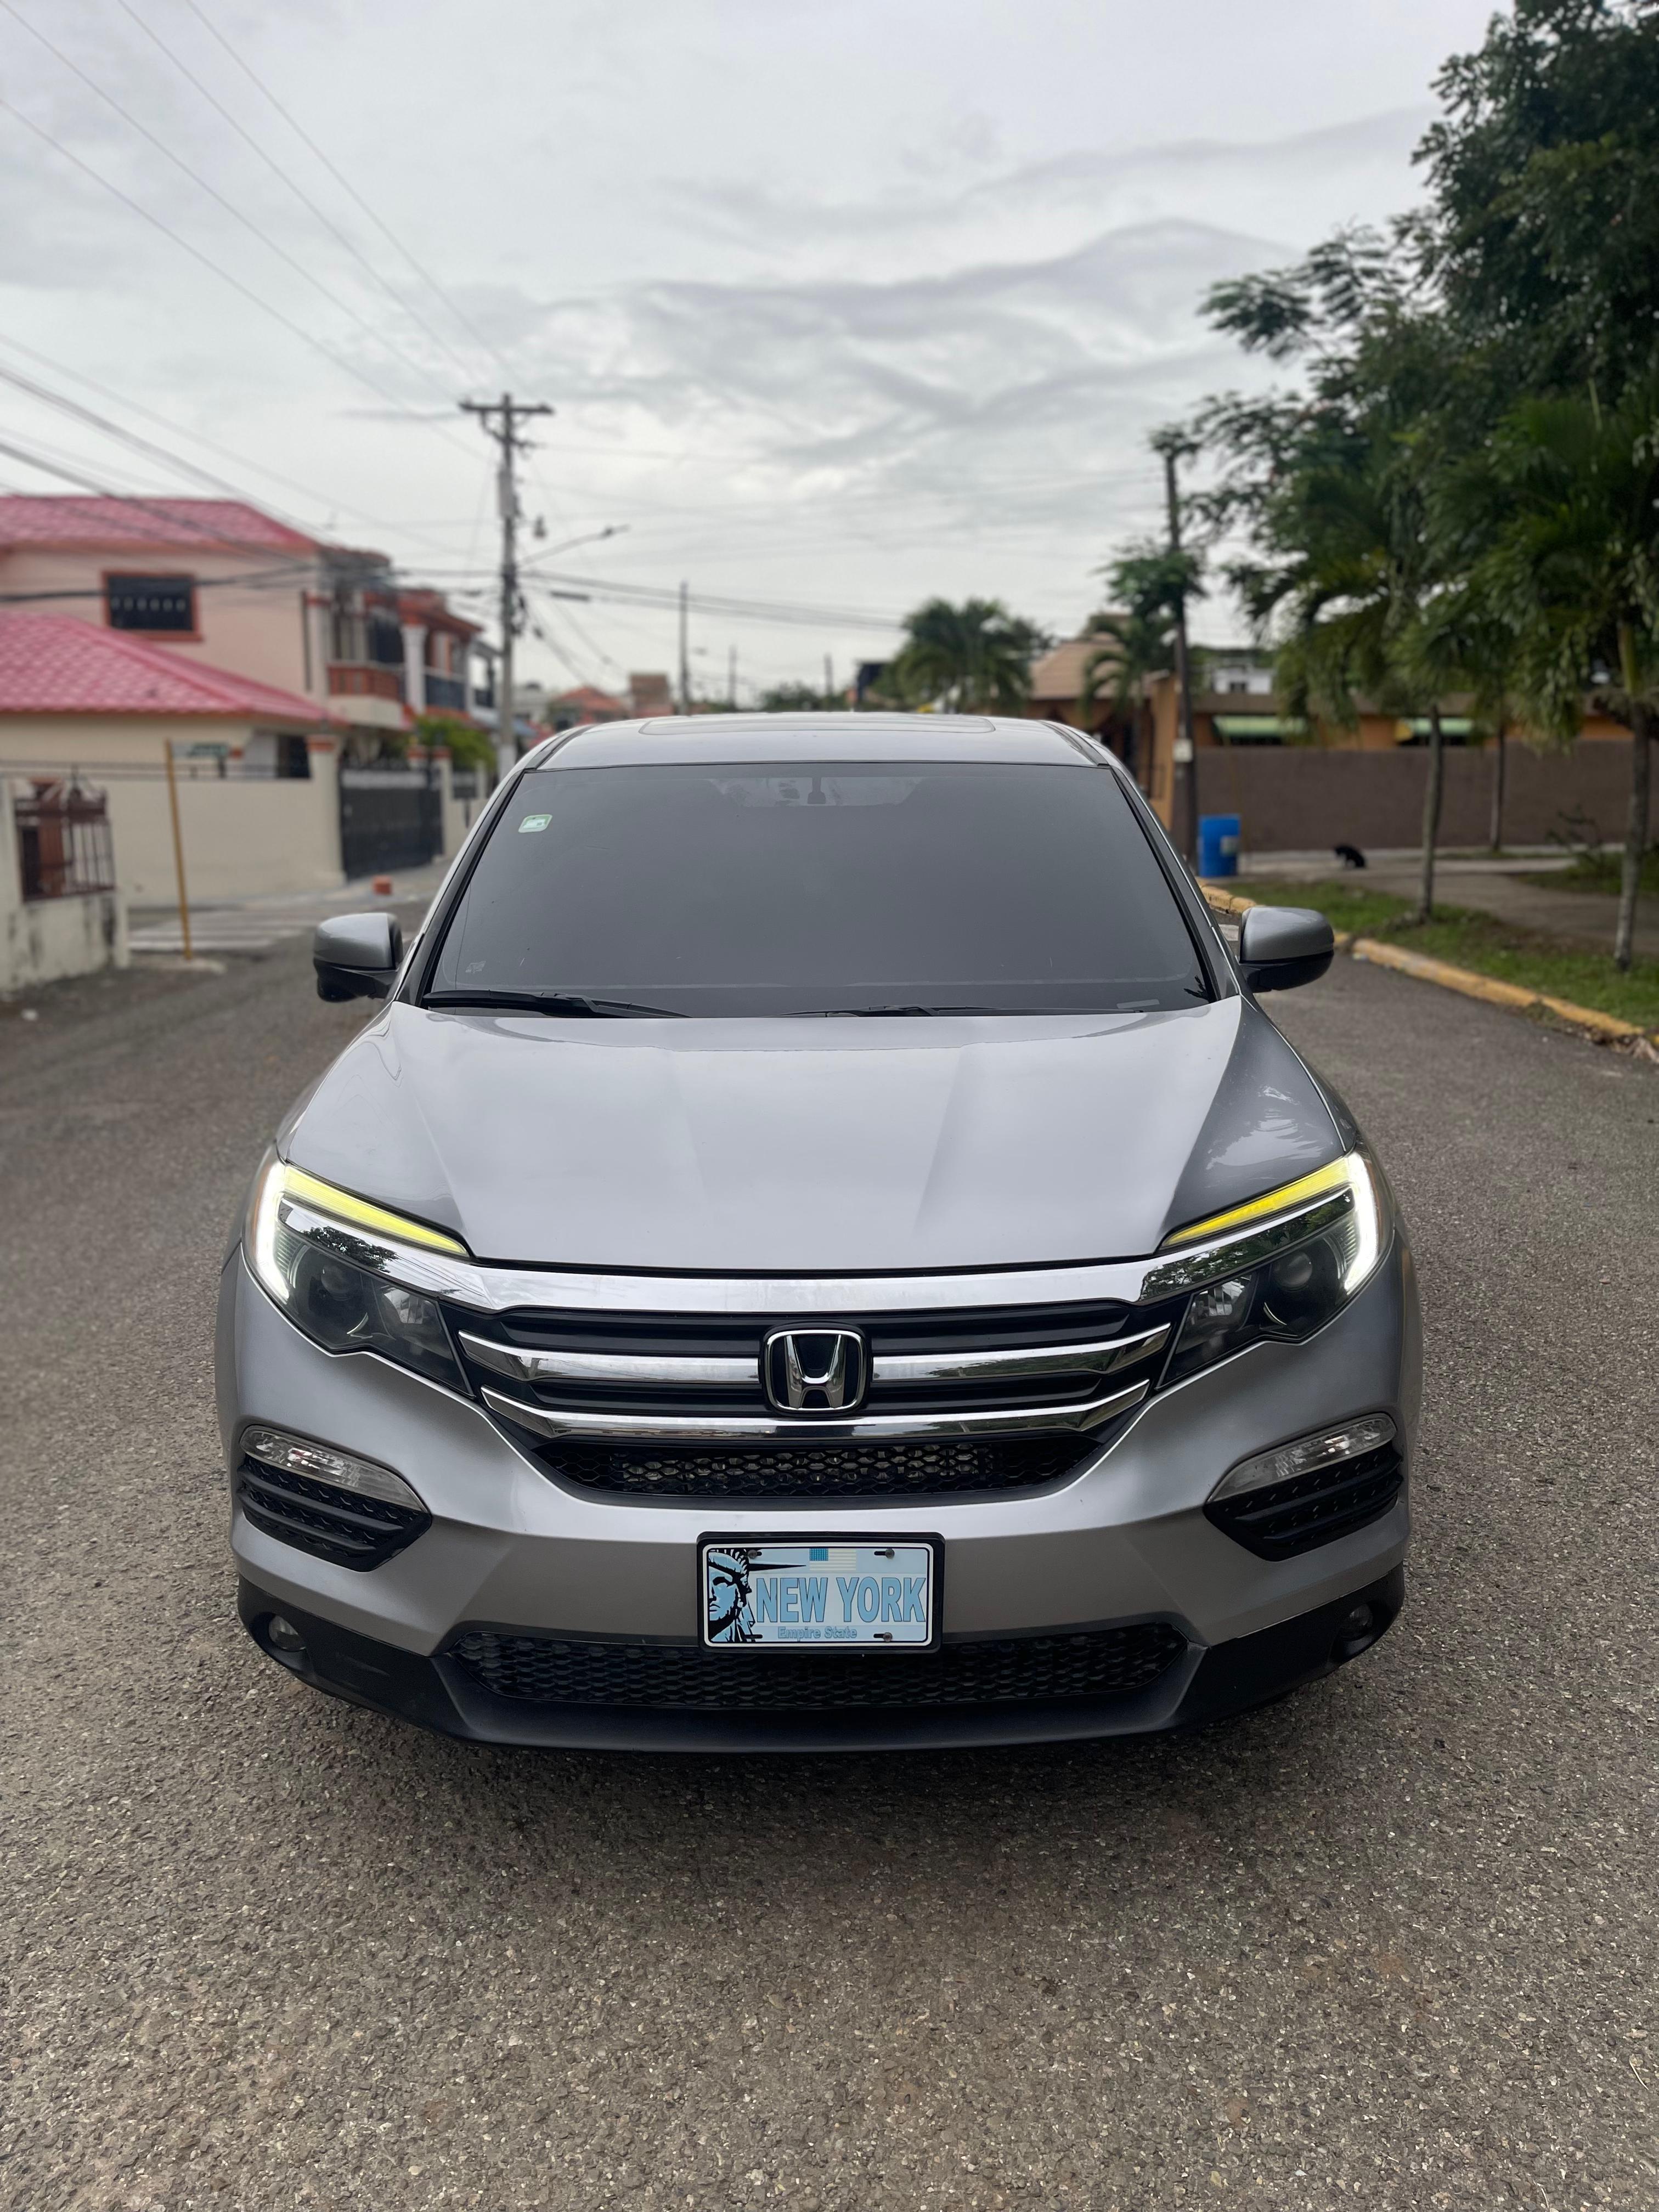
177	851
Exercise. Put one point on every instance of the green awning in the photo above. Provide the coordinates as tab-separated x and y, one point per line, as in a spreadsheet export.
1452	725
1252	729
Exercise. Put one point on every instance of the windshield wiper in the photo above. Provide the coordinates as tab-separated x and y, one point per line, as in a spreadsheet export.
836	1013
547	1002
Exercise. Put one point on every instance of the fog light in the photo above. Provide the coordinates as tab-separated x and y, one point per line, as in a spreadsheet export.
340	1470
1367	1432
1358	1620
284	1638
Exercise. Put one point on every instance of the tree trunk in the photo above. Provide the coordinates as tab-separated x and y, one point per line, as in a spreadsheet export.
1433	788
1636	833
1498	766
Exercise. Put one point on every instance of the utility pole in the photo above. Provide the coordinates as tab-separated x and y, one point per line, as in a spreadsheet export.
685	649
1183	671
731	678
828	680
499	419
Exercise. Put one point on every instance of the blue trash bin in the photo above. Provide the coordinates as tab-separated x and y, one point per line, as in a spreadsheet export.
1218	844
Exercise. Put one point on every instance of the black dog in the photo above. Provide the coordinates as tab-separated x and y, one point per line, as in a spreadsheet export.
1351	856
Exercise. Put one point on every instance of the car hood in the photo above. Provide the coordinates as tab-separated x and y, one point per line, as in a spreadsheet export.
813	1147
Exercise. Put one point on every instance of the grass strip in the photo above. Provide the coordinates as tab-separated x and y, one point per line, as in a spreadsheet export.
1480	941
1598	871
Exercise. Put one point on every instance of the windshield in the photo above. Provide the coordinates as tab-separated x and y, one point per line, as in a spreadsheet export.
816	888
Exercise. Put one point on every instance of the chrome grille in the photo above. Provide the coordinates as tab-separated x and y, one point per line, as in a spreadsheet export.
673	1404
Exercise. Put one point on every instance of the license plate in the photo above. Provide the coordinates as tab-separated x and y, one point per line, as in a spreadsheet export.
827	1596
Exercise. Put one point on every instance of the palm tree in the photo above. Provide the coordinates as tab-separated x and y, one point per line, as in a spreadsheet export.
1568	493
974	659
1331	486
1352	595
1148	580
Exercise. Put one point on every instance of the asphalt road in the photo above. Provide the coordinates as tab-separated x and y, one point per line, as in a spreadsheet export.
1390	1943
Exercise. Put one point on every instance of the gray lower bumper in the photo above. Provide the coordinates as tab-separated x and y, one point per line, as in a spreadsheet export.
1203	1685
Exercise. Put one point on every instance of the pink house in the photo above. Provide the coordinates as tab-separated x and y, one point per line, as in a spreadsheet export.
218	582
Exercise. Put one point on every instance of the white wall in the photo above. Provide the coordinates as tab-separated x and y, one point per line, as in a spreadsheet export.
44	940
460	814
242	835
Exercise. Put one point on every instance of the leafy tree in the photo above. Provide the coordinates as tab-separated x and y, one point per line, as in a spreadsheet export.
1329	485
1542	233
469	746
1463	491
1568	497
972	658
799	699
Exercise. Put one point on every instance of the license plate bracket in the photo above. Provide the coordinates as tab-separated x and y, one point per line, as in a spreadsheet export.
870	1595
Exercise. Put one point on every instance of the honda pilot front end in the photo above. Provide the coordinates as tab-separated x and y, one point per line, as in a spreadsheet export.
819	1245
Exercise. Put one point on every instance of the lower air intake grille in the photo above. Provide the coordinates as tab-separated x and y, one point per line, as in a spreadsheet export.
351	1530
1288	1517
1105	1663
905	1467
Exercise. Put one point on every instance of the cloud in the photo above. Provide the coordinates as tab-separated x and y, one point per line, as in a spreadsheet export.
1361	161
923	381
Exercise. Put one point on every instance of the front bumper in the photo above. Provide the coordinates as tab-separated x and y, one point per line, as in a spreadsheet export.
1123	1540
438	1692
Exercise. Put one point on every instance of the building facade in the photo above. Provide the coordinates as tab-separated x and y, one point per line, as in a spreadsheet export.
219	583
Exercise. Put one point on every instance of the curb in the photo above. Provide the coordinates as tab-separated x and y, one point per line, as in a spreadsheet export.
1426	970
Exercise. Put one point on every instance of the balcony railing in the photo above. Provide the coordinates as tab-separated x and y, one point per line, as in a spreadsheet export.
363	679
447	691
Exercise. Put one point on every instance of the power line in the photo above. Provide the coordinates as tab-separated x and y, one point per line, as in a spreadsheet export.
168	514
298	191
345	184
156	222
589	643
203	184
78	413
555	647
327	501
658	595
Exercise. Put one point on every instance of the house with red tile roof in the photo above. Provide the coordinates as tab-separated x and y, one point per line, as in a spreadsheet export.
255	766
259	651
218	582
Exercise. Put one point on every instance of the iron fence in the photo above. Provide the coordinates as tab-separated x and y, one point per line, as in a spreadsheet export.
64	849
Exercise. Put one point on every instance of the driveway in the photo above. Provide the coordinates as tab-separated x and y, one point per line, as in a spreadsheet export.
1390	1943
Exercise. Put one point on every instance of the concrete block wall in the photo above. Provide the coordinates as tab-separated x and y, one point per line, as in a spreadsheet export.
42	940
1302	798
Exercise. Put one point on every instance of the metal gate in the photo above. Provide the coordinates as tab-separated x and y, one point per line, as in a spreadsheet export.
390	817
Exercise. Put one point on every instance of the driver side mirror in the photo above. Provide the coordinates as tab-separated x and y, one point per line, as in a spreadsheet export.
357	956
1282	946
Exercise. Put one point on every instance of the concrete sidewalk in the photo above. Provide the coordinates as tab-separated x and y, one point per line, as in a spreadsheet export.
1584	920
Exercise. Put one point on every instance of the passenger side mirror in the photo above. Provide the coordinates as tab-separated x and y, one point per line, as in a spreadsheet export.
357	956
1281	947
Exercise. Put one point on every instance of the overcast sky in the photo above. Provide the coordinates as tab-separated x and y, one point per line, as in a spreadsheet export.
842	303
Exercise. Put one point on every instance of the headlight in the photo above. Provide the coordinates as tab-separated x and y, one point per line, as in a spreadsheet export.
1299	1254
310	1247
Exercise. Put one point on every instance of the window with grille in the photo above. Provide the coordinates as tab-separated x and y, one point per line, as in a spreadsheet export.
158	604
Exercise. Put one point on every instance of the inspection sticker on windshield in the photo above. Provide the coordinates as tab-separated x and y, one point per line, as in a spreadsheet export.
534	822
858	1596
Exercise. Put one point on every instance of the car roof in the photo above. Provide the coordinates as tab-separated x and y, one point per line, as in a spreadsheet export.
719	737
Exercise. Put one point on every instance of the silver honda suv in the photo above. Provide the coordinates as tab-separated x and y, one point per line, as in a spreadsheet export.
819	1246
